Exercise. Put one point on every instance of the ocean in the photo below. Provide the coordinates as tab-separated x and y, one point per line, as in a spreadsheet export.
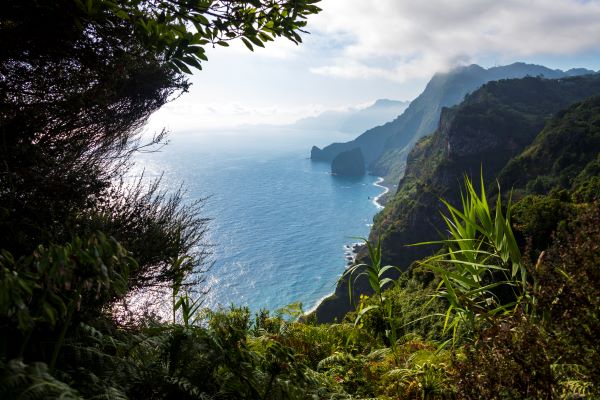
280	224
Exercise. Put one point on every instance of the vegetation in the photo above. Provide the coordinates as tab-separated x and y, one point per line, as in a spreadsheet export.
514	287
392	347
482	273
386	147
491	127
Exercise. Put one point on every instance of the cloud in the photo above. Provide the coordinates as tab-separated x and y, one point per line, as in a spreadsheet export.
191	115
401	39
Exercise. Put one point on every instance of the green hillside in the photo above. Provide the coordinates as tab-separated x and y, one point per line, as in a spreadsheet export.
492	126
386	147
489	128
564	154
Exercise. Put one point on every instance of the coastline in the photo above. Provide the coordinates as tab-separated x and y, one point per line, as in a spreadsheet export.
315	306
386	190
352	250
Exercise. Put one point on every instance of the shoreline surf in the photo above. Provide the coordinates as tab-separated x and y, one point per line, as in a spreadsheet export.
386	190
354	246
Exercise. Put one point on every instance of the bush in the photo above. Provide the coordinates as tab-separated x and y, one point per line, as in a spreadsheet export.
553	352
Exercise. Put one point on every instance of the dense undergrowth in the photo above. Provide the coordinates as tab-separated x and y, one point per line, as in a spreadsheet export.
476	320
507	307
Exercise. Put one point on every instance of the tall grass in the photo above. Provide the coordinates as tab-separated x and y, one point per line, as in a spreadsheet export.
482	274
375	273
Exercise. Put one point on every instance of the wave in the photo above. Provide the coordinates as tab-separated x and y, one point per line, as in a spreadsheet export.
386	190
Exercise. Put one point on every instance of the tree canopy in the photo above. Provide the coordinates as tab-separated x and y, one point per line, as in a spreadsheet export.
78	81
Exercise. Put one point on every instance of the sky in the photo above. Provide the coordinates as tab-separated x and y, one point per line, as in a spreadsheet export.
362	50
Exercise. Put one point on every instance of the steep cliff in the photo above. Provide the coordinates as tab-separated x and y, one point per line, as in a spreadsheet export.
492	126
386	147
564	154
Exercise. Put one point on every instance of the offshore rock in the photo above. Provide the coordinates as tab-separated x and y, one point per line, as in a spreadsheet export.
349	163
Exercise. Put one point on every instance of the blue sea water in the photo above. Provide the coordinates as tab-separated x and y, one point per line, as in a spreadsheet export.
279	222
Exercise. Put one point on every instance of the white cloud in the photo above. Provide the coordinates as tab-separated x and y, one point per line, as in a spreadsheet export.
185	116
402	39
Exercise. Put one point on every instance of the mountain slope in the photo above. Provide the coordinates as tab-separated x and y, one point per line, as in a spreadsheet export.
386	147
566	152
492	126
489	128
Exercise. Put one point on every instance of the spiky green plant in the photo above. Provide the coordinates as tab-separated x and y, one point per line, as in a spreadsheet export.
182	299
482	274
375	273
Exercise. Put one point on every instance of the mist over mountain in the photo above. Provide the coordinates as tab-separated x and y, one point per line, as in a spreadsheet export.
354	120
498	129
386	147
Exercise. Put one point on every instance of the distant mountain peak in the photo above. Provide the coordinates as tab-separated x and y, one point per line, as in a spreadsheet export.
385	147
355	120
387	103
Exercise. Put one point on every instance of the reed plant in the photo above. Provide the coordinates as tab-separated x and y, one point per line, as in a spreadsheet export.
375	273
482	273
181	296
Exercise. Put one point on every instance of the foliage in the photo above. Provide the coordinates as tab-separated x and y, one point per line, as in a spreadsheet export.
376	275
76	89
163	231
32	382
228	354
175	31
538	217
42	292
178	30
561	151
482	273
508	361
552	353
414	310
567	302
78	80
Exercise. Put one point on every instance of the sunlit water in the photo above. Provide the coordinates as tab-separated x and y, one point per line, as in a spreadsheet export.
279	221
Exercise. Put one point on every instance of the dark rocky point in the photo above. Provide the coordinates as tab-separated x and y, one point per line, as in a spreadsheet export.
316	154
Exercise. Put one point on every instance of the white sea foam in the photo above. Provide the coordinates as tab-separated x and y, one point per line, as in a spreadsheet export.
378	197
314	307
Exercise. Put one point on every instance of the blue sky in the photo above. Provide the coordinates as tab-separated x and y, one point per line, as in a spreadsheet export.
362	50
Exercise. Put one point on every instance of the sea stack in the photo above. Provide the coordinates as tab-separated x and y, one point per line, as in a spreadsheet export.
316	154
350	163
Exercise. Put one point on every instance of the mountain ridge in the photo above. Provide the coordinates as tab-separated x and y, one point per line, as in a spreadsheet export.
354	120
386	147
489	128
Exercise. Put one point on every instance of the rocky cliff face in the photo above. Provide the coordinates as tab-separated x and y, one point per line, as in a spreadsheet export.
565	155
370	143
491	127
349	163
483	133
386	147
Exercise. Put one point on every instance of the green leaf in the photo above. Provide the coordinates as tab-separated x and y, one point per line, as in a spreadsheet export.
123	15
385	281
256	41
248	44
363	312
385	269
50	313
